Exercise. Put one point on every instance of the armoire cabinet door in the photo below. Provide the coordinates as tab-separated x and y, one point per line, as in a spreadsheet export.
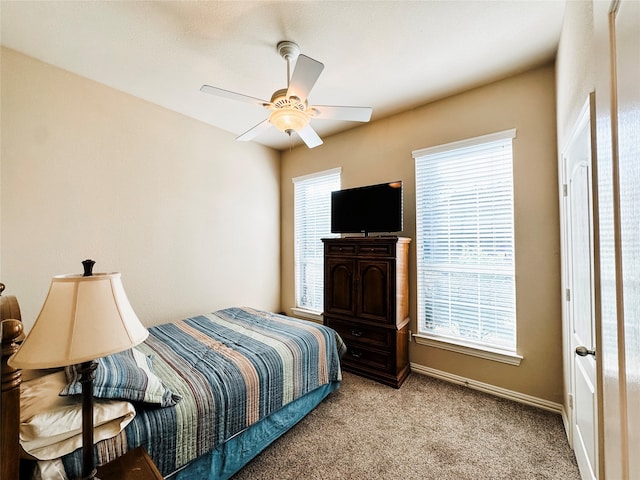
374	290
339	290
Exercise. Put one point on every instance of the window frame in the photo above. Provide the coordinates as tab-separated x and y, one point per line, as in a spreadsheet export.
448	341
309	310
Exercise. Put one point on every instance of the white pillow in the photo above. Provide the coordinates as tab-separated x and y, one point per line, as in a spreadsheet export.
51	425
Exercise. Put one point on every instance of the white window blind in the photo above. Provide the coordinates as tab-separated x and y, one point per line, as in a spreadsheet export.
312	223
464	230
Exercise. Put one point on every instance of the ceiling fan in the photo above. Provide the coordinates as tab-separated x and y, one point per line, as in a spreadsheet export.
290	111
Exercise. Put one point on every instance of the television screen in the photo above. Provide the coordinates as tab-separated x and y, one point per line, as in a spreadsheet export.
374	208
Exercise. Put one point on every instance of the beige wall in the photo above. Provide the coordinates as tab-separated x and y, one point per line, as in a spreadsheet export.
381	151
188	215
574	66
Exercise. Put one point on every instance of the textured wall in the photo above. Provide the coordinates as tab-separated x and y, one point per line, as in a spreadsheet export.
381	151
189	216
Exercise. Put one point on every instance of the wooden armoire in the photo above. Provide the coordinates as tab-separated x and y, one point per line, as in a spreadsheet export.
366	300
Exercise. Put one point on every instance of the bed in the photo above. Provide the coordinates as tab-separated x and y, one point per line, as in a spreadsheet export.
234	381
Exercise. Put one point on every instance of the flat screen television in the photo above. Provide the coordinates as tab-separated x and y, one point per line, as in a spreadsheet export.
368	209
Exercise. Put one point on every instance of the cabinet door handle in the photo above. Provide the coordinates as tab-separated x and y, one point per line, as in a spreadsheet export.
356	333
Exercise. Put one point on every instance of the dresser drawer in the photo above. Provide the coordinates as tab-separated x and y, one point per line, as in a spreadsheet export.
377	249
365	359
340	248
355	334
361	247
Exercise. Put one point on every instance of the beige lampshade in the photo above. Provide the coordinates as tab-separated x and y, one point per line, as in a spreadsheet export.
83	318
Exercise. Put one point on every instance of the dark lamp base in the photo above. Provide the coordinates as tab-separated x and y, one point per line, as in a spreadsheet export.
87	372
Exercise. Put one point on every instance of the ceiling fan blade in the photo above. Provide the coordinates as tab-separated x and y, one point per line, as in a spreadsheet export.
353	114
304	77
309	136
232	95
253	132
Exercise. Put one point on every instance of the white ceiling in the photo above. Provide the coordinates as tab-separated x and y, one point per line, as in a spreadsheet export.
389	55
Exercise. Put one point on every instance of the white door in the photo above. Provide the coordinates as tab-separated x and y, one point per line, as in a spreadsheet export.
580	294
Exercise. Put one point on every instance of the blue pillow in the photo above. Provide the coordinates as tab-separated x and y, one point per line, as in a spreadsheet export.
126	375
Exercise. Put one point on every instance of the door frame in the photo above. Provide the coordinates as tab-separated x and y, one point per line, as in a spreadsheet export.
587	116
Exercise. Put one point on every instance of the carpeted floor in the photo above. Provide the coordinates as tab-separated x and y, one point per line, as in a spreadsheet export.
428	429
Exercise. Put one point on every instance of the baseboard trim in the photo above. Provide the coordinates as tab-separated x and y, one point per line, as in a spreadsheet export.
567	427
492	389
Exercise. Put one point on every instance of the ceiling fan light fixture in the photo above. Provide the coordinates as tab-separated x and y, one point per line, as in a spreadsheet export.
286	119
289	107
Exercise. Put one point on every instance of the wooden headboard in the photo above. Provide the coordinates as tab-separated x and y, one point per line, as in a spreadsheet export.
11	328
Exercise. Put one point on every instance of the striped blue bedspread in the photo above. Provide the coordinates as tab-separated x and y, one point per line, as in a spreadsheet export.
232	368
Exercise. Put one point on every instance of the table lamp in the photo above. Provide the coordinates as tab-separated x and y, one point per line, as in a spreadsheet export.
84	317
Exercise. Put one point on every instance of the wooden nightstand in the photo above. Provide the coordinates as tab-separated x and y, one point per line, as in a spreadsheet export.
136	464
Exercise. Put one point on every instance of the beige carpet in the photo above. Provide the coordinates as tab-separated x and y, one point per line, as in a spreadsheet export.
428	429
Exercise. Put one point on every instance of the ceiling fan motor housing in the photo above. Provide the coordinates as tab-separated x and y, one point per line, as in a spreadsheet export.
280	100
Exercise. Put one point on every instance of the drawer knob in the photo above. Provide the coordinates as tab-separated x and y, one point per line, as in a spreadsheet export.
356	333
356	353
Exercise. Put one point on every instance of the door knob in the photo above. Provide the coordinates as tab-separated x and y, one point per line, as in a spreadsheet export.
584	351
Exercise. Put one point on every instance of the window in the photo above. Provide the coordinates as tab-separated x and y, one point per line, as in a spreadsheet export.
465	255
312	222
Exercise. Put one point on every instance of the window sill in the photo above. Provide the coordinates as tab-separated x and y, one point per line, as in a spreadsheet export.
486	353
312	315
